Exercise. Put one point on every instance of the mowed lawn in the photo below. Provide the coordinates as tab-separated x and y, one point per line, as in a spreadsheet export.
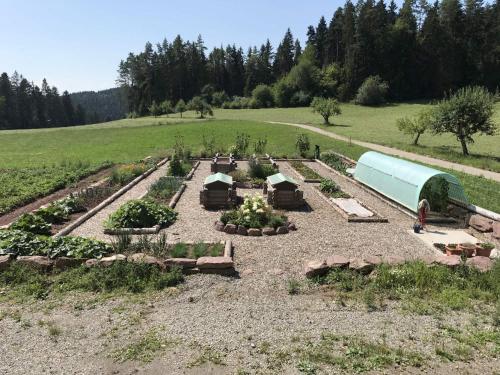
36	162
378	125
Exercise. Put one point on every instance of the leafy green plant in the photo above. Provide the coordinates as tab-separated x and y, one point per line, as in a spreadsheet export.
302	144
256	169
165	188
31	223
305	171
19	242
179	250
76	247
330	188
259	146
142	213
123	174
217	250
334	161
200	249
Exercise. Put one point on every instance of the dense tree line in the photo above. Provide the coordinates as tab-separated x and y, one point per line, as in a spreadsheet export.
24	105
421	50
102	106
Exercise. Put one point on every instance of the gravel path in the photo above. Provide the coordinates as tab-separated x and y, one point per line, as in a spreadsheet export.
250	322
405	154
94	227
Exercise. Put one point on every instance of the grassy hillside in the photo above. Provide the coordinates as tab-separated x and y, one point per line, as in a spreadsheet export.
378	125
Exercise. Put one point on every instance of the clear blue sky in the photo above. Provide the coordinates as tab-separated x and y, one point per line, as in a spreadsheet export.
78	44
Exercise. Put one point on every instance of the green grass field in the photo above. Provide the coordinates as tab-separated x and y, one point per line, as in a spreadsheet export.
378	125
36	162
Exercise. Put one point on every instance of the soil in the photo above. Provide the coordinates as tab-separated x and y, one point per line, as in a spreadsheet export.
30	207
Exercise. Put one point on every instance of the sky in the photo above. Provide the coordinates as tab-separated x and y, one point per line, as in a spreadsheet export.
78	44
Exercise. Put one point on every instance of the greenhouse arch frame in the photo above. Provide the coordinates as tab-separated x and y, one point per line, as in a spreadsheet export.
401	180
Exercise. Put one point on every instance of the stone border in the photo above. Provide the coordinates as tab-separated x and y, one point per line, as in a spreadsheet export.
177	196
221	265
253	232
108	201
367	264
132	231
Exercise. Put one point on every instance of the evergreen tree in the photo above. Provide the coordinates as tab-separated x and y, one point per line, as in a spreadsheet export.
284	60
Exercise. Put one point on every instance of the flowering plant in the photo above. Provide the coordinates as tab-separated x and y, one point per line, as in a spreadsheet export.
254	210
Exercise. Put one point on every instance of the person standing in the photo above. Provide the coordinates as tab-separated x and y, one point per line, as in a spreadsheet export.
423	209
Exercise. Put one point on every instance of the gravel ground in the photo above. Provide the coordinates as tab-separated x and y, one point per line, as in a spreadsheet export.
247	321
94	227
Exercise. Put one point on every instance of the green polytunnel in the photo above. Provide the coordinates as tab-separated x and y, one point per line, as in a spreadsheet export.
401	180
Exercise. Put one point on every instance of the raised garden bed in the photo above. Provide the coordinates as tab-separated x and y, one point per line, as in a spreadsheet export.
140	216
254	218
305	173
349	208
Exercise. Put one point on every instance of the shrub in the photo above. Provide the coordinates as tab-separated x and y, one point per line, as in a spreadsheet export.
326	108
219	98
283	93
263	96
302	144
142	213
372	91
180	250
300	99
259	146
178	168
31	223
241	144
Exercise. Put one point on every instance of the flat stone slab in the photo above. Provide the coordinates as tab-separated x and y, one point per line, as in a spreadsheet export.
352	207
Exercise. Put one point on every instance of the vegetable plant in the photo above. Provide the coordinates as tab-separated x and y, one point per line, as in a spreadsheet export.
141	213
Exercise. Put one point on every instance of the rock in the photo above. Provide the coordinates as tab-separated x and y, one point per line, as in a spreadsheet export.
292	226
242	231
451	261
428	259
63	263
496	230
255	232
37	262
230	229
394	260
481	223
214	263
282	230
219	225
315	268
482	264
337	261
92	263
180	262
361	266
376	260
108	261
5	262
146	259
268	231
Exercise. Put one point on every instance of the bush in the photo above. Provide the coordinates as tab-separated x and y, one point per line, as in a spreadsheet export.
263	96
31	223
219	98
141	213
372	91
300	99
283	93
178	168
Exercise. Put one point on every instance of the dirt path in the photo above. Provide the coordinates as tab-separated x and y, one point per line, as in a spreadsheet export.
404	154
94	227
